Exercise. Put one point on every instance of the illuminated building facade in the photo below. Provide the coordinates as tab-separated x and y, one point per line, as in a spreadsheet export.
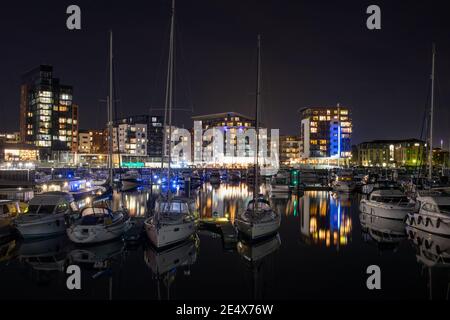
391	153
139	136
18	152
289	150
48	119
325	133
232	125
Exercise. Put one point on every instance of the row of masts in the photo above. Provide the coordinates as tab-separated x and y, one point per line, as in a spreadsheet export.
167	136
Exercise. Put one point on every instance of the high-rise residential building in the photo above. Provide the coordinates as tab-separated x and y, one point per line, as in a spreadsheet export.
289	150
237	150
391	153
326	133
230	124
139	136
48	118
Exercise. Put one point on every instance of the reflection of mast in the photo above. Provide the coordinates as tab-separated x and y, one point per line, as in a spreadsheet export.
430	284
110	287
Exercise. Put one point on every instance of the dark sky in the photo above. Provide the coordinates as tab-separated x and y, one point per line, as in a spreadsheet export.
314	53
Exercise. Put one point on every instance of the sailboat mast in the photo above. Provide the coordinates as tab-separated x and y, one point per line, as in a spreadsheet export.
168	100
430	149
110	110
258	93
170	96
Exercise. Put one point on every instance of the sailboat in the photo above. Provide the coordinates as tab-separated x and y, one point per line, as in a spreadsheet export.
259	220
174	219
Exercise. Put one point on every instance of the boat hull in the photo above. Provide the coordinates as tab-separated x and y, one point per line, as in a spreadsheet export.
429	223
41	227
383	210
165	235
258	230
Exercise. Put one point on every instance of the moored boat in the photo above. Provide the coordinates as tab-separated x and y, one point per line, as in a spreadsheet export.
259	220
98	224
47	215
432	213
389	204
173	221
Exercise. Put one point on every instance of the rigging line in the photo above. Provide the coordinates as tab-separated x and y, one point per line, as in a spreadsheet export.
184	63
160	67
424	126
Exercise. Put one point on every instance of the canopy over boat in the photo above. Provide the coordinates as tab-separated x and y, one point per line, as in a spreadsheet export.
51	198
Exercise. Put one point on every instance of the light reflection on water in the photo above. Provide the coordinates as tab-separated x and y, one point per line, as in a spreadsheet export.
321	251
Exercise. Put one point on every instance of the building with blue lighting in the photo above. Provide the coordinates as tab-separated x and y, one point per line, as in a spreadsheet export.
325	133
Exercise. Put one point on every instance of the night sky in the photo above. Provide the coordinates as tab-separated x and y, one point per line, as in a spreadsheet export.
315	53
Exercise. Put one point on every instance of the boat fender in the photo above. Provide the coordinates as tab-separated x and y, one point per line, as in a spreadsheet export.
428	222
438	222
419	220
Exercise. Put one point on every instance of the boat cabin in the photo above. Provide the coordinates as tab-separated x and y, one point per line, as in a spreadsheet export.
52	203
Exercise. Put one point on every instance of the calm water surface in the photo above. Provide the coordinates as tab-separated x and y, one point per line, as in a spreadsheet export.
322	251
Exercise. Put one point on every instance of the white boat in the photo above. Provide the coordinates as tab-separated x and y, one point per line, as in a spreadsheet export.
389	204
173	222
47	214
98	225
280	184
344	183
258	221
432	213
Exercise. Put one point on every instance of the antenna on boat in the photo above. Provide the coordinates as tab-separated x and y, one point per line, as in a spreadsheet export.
430	142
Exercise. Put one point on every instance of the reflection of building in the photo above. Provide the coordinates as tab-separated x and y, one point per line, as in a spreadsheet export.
289	150
325	219
325	133
139	136
390	153
48	119
224	202
18	152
